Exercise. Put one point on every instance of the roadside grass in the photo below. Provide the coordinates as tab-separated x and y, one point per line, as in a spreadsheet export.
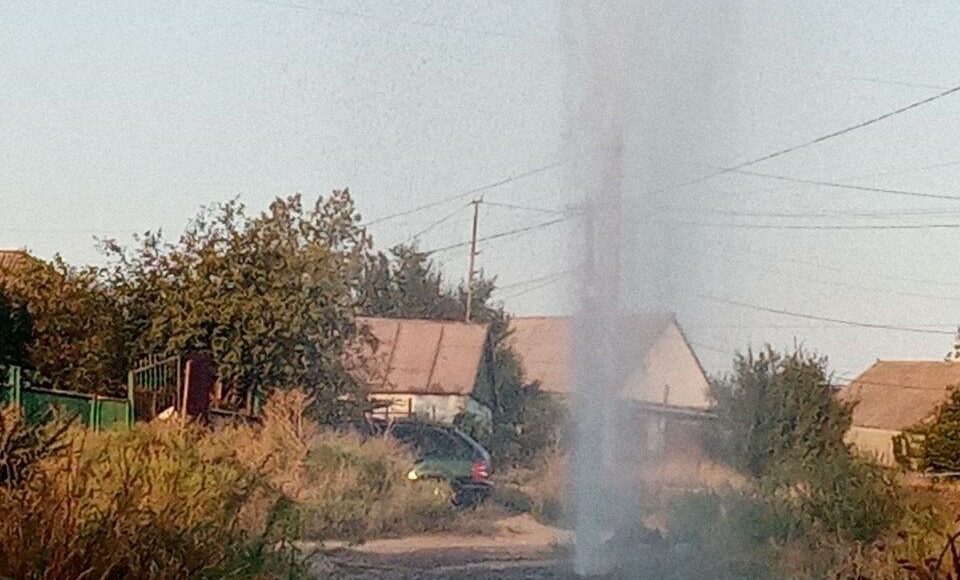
170	501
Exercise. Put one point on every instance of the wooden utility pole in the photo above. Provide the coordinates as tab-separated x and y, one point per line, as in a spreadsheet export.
473	255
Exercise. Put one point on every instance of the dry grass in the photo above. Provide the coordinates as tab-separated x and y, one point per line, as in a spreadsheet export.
161	501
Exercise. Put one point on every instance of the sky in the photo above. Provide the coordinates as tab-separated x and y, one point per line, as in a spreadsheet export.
119	116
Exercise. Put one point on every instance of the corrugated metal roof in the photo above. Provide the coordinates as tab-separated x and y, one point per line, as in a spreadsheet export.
899	394
428	357
647	355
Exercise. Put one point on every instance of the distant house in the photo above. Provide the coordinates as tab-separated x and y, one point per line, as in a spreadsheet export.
662	377
425	368
892	396
11	260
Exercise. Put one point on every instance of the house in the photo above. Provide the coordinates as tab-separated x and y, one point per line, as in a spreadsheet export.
662	379
426	368
893	395
11	260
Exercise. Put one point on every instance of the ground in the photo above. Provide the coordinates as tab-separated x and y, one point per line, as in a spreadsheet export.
510	547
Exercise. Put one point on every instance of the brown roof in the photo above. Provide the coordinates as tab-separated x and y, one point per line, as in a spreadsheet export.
895	395
10	259
653	350
424	356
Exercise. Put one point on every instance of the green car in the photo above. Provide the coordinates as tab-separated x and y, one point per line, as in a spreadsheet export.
443	453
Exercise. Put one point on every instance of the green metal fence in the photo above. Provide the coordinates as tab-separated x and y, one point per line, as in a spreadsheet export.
95	411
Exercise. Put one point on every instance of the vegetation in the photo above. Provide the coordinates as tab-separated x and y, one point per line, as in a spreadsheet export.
15	332
780	421
271	296
933	445
777	407
74	330
162	501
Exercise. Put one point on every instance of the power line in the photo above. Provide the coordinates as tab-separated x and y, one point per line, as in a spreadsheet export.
539	286
846	130
466	193
523	207
438	222
805	144
823	266
822	318
849	186
498	235
750	263
533	280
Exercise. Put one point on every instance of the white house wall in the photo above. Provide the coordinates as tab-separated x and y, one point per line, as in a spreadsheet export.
672	375
440	408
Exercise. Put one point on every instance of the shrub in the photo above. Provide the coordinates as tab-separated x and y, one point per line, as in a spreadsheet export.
840	495
338	486
137	504
775	407
24	444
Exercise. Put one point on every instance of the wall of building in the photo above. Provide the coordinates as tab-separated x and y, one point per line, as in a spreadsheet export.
876	444
440	408
673	376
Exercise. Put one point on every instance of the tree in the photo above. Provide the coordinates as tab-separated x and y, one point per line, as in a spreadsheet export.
777	406
75	343
271	297
15	333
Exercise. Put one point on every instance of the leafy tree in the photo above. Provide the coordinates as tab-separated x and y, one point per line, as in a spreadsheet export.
776	406
271	297
15	333
76	342
779	420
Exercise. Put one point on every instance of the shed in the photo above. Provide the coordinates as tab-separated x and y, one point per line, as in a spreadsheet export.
427	368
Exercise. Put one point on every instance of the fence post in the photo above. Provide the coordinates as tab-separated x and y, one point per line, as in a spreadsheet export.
131	417
93	422
17	384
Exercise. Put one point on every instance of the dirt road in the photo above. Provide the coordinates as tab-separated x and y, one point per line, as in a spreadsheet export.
515	547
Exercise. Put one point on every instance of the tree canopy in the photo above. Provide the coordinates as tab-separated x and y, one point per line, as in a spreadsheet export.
271	296
774	406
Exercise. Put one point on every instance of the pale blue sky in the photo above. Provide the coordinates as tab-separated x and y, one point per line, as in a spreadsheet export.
122	115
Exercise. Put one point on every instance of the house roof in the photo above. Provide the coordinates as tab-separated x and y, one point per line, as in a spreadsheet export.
427	357
654	356
10	259
895	395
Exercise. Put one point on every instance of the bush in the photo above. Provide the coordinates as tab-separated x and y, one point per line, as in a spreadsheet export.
840	496
776	407
166	501
338	486
138	504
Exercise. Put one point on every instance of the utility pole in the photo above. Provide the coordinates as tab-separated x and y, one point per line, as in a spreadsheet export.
473	255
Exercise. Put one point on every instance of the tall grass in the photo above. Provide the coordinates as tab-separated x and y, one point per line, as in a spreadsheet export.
165	501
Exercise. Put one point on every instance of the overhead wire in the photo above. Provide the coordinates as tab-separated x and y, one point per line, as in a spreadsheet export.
821	318
811	142
499	235
438	222
467	193
834	184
